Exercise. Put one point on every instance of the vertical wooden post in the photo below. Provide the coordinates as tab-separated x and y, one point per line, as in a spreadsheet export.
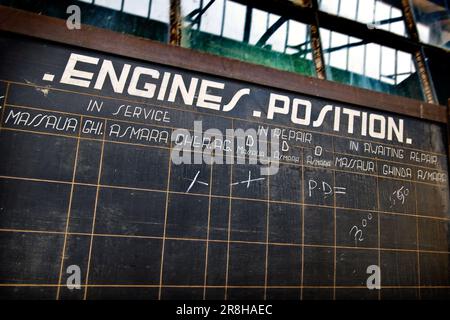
316	44
419	56
317	52
175	22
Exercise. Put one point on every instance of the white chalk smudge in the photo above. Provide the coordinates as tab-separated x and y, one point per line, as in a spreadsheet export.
44	90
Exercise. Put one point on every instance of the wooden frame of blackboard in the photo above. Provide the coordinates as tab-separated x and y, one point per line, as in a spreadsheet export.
54	29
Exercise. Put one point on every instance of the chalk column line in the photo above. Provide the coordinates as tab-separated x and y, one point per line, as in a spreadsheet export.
69	209
161	270
95	211
207	232
229	225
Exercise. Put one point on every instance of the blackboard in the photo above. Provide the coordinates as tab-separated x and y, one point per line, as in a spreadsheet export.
87	179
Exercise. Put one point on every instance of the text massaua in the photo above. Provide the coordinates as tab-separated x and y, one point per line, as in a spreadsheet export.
166	86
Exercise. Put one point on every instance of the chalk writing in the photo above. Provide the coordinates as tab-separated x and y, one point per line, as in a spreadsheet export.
357	232
398	195
248	181
324	187
194	181
58	123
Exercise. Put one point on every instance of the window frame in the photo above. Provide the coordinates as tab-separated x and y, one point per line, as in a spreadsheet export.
54	29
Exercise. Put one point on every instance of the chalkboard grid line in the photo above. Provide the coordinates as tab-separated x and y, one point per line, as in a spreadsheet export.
378	231
302	148
303	233
281	244
69	209
161	270
267	237
97	192
4	104
254	121
227	197
216	286
334	234
418	246
229	225
239	157
207	232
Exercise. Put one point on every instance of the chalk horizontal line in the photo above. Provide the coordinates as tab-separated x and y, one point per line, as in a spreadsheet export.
220	286
222	197
174	238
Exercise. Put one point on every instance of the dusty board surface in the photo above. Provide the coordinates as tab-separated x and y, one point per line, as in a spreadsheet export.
95	187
